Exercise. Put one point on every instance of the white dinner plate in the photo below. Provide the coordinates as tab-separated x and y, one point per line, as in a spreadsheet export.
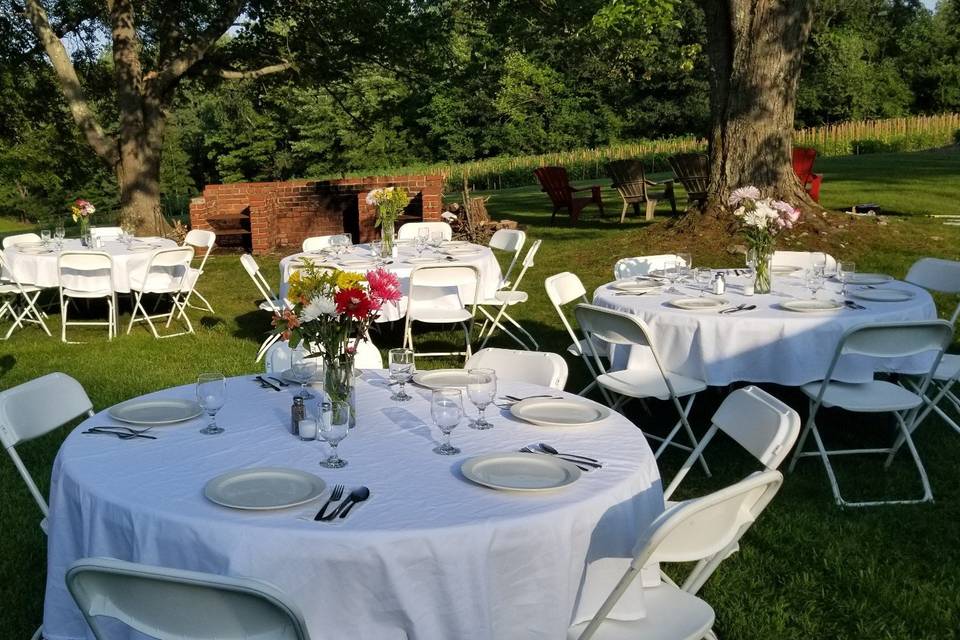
137	248
559	412
356	262
636	284
456	243
440	378
868	278
264	488
423	260
784	269
811	306
462	250
882	295
32	250
519	471
155	412
699	304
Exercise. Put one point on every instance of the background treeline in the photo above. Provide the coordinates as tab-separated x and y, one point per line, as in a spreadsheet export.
455	81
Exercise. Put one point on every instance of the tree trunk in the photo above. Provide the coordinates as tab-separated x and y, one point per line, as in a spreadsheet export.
755	49
138	173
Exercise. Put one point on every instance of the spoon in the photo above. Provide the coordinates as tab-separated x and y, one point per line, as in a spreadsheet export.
543	446
357	495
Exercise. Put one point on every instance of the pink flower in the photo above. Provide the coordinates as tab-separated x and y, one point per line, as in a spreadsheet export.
743	193
384	286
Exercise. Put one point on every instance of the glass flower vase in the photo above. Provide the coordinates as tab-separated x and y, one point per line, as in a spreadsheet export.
339	382
84	231
387	239
761	260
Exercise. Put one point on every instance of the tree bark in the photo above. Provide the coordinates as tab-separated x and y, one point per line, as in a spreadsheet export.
754	48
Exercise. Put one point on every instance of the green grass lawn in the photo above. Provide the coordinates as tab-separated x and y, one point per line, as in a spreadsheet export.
806	570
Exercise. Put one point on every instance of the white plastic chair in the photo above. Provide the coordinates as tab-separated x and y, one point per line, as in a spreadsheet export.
105	233
619	328
166	274
877	340
19	238
410	230
440	294
202	241
173	604
804	260
277	356
758	422
86	275
35	408
511	240
642	265
18	300
272	302
564	288
315	243
699	530
536	367
508	298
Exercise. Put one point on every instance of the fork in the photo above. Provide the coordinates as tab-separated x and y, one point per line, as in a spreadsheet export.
335	495
583	466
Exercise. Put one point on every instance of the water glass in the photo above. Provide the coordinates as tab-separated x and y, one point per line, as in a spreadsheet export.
422	240
845	272
333	426
45	236
704	278
446	409
58	234
401	370
813	279
436	240
211	394
684	265
670	274
303	367
481	389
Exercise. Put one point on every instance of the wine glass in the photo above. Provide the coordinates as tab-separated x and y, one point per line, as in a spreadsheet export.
670	273
211	394
401	370
446	408
436	240
704	277
423	238
684	265
58	234
45	236
303	367
813	279
338	244
481	389
845	271
333	426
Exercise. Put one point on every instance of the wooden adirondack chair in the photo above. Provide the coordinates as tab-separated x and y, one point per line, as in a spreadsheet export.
556	183
803	159
693	172
632	184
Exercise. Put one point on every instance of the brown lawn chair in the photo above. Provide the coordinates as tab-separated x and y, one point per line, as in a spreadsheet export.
632	184
556	183
693	172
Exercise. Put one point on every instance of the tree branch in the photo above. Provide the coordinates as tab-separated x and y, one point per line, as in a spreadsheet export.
83	115
254	73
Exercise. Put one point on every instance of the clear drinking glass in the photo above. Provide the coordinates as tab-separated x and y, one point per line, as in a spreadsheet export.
845	271
670	273
211	394
58	234
684	265
813	279
446	408
338	244
481	389
423	239
704	278
333	426
45	236
401	370
436	240
304	368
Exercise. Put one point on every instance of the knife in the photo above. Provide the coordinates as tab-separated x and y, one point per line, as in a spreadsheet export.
263	380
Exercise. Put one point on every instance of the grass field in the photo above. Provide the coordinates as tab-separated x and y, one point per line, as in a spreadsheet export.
806	570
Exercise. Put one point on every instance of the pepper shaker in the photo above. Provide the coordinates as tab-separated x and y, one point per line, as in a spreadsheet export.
298	412
719	284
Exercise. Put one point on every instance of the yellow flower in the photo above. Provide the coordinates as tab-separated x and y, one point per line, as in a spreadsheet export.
348	280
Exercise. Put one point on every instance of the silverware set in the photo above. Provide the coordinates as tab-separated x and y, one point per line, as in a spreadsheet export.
507	401
582	462
853	306
739	307
357	495
123	433
271	382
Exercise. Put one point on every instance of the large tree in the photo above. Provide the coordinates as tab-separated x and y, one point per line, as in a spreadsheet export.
153	47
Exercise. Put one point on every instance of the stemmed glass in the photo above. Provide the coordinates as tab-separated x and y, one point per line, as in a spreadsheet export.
813	279
436	240
670	273
684	265
845	271
446	408
333	426
303	367
338	244
704	277
481	389
211	394
58	234
45	236
401	370
423	238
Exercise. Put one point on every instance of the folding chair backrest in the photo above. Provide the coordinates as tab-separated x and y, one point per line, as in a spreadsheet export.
168	270
277	358
106	232
182	605
528	261
316	243
615	327
804	259
202	240
19	238
937	274
367	355
514	365
564	288
410	230
508	240
86	270
642	265
253	270
7	273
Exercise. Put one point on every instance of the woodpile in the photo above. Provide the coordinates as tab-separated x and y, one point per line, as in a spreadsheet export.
471	221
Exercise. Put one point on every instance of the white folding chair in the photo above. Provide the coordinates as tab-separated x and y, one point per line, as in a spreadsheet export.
511	240
277	357
272	302
173	604
642	265
877	340
86	275
804	260
440	294
20	238
536	367
202	241
35	408
18	300
367	355
619	328
699	530
508	298
564	288
105	233
315	243
410	230
166	274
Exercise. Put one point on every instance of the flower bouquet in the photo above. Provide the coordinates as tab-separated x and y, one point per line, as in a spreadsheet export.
761	219
81	210
332	311
390	203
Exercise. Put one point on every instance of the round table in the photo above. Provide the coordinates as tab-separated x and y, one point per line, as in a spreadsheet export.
767	344
430	555
359	258
36	266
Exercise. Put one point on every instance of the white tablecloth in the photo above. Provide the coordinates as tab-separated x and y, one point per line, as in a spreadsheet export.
40	269
483	259
429	556
768	344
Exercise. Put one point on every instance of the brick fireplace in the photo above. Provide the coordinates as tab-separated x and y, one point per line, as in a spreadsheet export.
263	217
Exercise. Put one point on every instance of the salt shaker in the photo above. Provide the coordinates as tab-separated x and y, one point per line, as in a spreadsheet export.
298	412
719	284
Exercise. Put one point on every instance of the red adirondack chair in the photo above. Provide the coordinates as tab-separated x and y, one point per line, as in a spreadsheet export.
803	159
556	183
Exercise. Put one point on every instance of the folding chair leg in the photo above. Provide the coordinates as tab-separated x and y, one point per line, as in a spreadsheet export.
206	303
801	441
